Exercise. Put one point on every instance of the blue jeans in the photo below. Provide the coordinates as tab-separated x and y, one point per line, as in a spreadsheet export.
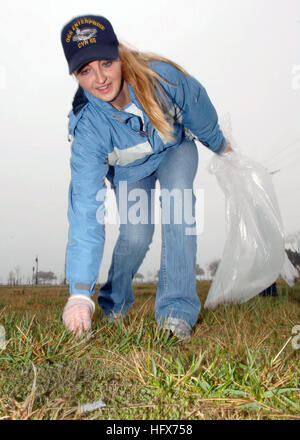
176	294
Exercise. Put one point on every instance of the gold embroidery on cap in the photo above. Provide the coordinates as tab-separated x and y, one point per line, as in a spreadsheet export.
79	23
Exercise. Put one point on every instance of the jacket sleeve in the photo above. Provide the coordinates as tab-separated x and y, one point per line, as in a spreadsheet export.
194	108
85	210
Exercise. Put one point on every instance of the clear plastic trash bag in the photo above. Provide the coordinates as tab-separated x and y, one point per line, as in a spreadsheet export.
288	272
254	250
292	242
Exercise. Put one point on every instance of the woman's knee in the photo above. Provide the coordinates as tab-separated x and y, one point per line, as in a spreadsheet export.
179	167
135	239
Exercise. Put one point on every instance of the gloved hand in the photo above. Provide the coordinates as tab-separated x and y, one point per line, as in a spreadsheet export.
78	313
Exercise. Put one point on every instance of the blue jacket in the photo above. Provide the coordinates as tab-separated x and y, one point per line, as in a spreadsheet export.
114	144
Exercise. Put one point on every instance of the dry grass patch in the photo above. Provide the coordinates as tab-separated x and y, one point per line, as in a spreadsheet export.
239	364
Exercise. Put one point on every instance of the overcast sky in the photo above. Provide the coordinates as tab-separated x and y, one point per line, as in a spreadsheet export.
246	54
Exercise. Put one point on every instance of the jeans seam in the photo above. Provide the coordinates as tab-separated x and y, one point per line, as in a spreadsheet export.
164	263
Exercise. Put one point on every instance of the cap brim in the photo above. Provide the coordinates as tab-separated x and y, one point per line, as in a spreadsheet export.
91	53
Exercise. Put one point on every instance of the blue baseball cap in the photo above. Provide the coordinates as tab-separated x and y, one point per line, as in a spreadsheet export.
87	38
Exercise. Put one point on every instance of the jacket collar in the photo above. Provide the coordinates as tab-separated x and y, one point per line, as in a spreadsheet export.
82	97
79	101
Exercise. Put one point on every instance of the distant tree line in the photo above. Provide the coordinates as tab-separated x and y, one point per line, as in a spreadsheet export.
200	273
48	277
42	277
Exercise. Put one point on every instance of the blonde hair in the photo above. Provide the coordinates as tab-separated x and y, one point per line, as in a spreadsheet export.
136	71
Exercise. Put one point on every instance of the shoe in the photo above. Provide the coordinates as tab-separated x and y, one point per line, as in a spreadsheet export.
112	317
180	328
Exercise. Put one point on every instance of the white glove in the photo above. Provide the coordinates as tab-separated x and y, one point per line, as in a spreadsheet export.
78	313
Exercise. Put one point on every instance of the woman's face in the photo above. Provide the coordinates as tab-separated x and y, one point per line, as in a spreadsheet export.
103	79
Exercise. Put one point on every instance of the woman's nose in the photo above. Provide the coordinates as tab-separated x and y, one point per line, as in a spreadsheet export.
100	75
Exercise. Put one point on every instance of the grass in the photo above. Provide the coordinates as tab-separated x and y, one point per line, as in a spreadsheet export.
239	364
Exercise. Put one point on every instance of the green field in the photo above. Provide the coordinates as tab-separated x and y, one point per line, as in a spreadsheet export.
239	364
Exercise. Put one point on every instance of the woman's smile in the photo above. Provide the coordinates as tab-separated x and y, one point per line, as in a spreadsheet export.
104	89
103	79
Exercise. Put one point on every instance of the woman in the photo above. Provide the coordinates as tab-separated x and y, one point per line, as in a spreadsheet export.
133	120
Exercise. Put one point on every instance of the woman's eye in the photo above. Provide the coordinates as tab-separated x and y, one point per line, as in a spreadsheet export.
83	71
107	64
